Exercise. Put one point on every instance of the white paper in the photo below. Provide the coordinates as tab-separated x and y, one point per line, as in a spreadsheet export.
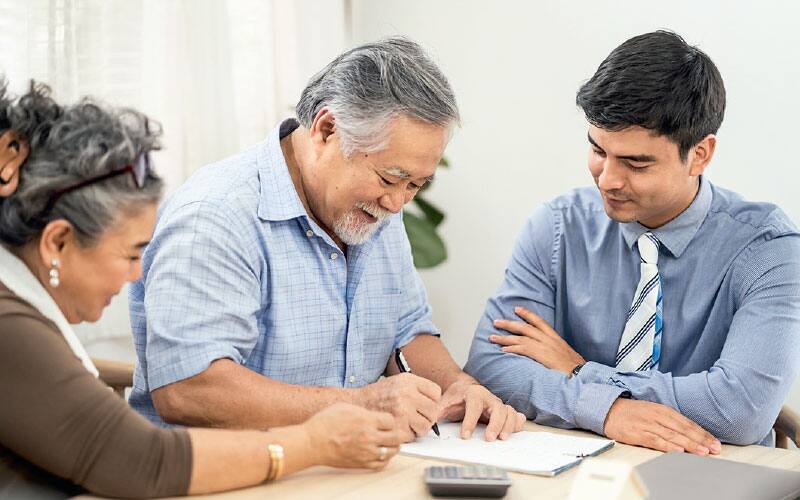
542	453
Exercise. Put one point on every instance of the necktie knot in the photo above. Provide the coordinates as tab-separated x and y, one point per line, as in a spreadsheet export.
648	248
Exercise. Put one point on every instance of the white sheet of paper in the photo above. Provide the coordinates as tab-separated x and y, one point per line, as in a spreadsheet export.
542	453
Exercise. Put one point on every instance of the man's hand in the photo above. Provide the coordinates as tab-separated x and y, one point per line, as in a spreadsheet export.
470	402
13	153
538	341
414	402
659	427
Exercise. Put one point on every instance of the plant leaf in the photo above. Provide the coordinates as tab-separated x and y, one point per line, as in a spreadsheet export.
427	246
431	213
443	162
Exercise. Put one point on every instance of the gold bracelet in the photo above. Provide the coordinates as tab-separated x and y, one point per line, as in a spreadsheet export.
271	468
275	461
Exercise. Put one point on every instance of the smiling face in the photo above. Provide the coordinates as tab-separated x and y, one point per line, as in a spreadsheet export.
641	176
352	197
91	276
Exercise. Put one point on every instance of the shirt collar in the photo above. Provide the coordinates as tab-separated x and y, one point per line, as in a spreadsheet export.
676	235
279	199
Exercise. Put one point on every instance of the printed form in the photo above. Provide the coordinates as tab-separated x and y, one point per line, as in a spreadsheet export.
541	453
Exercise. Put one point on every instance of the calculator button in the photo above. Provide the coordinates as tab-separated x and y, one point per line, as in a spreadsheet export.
436	472
468	473
450	471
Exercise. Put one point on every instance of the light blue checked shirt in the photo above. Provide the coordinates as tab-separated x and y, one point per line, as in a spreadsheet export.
730	346
236	269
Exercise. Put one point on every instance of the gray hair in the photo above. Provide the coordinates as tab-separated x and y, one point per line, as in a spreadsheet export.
67	145
367	86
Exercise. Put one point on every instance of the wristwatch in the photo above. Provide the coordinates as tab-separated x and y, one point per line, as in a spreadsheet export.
576	370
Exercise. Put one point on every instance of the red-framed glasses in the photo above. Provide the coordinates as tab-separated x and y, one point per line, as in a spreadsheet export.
138	170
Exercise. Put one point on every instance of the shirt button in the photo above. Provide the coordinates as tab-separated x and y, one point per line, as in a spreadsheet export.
309	233
334	256
352	379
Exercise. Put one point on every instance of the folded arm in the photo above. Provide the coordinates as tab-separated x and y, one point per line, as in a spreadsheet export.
546	396
738	398
544	391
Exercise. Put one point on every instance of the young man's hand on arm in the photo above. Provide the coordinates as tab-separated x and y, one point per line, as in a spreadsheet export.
640	423
536	339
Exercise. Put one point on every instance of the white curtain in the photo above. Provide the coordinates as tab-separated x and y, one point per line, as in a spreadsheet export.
217	74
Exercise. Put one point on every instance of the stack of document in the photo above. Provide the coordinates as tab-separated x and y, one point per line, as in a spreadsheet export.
541	453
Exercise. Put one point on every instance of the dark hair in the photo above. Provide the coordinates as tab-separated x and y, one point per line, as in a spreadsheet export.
659	82
69	144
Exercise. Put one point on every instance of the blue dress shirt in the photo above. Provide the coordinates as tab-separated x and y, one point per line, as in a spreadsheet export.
237	269
730	348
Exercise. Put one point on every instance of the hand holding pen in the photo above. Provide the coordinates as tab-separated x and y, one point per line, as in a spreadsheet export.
413	401
402	365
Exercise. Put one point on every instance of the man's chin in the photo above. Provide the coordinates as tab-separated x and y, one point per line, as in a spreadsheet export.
621	216
356	237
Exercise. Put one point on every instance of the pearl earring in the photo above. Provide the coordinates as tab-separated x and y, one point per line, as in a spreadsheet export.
55	279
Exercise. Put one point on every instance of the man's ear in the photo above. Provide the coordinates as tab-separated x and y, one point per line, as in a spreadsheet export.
323	127
701	155
56	238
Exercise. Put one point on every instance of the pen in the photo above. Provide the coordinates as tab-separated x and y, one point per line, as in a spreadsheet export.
402	365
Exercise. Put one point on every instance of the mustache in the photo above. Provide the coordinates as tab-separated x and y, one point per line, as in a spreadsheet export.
618	195
374	210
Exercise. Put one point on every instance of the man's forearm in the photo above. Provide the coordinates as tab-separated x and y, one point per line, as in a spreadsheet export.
232	396
721	399
428	357
545	396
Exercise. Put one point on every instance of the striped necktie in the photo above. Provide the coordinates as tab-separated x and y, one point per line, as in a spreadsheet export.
640	346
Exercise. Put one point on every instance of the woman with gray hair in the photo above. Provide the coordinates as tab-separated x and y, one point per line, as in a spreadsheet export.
71	235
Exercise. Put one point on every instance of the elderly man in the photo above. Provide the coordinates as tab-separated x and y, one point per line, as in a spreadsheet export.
280	280
658	309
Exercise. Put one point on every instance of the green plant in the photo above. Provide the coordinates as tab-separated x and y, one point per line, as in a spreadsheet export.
427	246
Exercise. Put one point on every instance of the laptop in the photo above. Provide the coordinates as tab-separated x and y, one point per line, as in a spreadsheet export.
685	476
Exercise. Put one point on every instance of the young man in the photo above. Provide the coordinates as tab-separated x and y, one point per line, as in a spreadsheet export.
658	309
280	281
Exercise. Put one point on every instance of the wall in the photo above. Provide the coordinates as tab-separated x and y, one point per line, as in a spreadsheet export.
515	67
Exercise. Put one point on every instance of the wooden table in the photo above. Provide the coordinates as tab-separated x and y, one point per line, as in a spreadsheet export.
402	478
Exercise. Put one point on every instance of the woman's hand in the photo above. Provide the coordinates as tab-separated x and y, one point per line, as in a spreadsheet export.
350	436
13	153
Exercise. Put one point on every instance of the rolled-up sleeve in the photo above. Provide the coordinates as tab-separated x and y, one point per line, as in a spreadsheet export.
543	395
202	293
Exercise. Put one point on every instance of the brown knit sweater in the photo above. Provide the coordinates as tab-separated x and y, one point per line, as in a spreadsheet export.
62	430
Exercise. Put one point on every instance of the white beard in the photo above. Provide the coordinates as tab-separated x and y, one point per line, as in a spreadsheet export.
352	230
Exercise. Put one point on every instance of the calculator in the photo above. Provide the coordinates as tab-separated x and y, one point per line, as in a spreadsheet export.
467	481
